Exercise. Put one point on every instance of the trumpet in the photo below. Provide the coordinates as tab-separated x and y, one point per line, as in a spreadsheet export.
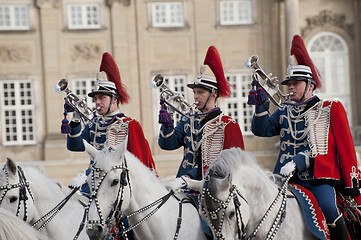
76	103
174	100
269	83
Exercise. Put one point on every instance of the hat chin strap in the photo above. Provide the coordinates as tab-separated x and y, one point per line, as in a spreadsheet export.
209	99
110	105
306	90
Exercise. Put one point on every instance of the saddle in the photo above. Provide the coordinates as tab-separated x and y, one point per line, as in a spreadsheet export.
315	219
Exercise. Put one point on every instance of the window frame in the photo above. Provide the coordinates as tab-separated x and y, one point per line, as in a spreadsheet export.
240	87
167	24
235	22
83	93
13	17
18	127
84	18
324	60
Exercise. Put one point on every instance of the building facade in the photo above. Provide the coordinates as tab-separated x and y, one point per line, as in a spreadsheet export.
42	41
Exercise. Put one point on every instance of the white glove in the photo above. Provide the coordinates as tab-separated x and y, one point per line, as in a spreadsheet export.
76	117
288	168
78	181
176	184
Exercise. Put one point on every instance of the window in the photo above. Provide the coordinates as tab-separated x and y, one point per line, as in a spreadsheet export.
17	112
235	12
329	52
167	14
176	83
14	17
236	104
85	16
82	87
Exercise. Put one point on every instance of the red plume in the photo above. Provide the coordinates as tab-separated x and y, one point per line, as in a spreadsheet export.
109	66
213	60
298	49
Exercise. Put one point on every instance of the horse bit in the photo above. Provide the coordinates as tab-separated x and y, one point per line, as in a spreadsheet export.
233	192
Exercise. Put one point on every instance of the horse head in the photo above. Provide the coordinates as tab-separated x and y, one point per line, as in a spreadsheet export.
222	204
109	188
15	193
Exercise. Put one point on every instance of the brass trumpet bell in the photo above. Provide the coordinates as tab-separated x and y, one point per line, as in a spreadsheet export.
75	102
174	100
267	82
61	85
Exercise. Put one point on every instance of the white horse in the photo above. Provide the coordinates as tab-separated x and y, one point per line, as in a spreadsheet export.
11	227
30	194
121	184
236	195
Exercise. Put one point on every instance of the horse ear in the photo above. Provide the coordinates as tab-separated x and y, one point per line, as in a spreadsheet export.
92	151
11	166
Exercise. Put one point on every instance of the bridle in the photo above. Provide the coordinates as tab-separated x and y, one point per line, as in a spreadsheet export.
115	213
23	185
116	216
223	205
233	195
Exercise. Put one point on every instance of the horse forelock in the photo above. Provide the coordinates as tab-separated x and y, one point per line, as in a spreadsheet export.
106	158
232	160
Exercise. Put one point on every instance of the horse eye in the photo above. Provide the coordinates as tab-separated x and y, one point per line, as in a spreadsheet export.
231	215
13	199
115	182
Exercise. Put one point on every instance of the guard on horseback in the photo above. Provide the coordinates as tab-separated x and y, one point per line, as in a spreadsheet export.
316	145
206	132
109	126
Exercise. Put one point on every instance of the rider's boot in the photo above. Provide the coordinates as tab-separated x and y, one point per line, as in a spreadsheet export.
338	230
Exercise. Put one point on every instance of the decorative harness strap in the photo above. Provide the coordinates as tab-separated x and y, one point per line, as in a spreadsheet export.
116	210
23	185
51	214
281	214
241	230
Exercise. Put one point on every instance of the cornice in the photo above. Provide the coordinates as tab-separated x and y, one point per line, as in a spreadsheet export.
327	18
47	3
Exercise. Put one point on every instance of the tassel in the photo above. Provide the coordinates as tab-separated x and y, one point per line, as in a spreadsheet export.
165	117
261	96
67	108
65	127
252	95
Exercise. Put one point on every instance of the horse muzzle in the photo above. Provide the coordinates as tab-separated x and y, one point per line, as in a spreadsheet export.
96	231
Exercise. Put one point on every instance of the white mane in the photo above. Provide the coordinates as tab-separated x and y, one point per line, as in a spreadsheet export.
106	159
142	194
47	193
255	193
233	159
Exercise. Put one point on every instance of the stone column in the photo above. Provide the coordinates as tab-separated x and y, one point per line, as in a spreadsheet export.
291	21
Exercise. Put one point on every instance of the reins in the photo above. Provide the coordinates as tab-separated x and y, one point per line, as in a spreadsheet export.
280	214
161	201
241	229
23	185
52	213
116	210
